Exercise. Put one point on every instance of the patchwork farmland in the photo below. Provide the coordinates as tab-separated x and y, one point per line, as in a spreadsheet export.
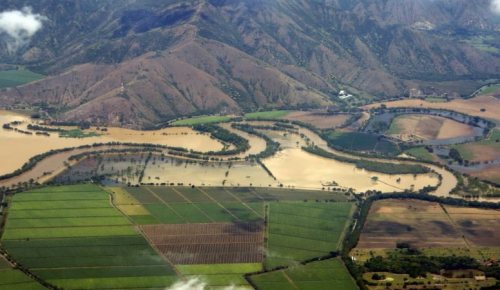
301	231
73	238
87	237
322	275
196	227
433	228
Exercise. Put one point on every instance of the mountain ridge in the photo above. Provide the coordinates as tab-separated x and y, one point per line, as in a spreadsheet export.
141	63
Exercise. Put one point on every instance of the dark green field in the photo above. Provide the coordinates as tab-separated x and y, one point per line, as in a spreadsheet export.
301	231
324	275
357	141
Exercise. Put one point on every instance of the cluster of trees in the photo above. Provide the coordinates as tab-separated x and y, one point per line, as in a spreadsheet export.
271	146
415	264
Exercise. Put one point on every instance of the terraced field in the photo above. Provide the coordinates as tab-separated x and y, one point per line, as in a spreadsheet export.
72	237
323	275
301	231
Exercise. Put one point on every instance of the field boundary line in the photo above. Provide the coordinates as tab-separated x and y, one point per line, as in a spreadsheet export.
346	226
218	203
456	226
14	265
166	203
242	202
289	280
143	234
256	194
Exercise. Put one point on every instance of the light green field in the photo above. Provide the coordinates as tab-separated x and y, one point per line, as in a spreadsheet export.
77	133
11	279
176	205
220	274
301	231
420	153
267	115
201	120
327	275
12	78
88	244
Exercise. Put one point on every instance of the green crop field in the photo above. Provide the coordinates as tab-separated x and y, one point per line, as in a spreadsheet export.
357	141
12	78
74	238
267	115
201	120
175	205
420	153
220	275
301	231
327	275
14	279
77	133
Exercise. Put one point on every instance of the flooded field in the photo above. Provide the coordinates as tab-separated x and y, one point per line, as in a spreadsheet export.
171	170
297	168
17	148
257	144
448	181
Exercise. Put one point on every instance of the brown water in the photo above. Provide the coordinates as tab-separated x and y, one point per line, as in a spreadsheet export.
211	174
307	164
295	167
16	148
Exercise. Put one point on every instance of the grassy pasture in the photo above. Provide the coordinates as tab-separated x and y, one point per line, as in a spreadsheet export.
12	78
328	274
87	244
220	274
201	120
420	153
300	231
267	115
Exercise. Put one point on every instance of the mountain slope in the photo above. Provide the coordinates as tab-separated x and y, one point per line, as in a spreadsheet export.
139	63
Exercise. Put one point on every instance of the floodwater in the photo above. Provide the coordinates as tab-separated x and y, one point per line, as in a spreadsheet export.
207	174
297	168
288	163
16	148
257	144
